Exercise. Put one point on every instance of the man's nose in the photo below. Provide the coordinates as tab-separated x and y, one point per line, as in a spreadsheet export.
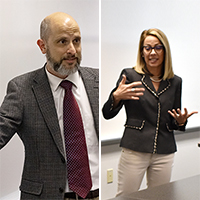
71	49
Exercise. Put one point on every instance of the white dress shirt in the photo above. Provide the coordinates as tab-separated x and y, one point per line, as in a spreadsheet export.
78	89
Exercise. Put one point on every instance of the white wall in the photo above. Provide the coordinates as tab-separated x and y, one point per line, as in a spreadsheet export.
122	23
186	163
19	31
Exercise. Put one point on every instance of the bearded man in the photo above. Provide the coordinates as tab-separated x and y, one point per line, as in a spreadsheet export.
35	108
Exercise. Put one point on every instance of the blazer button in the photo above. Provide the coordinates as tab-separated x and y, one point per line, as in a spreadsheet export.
61	190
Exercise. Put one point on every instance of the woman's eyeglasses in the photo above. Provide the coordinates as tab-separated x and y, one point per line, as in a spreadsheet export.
157	48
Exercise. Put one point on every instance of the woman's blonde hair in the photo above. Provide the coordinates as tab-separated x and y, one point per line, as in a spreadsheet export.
167	67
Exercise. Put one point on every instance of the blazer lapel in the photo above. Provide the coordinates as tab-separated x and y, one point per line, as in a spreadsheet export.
164	85
44	97
92	88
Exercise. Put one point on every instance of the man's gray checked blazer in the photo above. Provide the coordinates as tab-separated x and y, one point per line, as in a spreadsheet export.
29	110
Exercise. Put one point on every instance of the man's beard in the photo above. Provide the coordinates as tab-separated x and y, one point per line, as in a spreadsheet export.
59	67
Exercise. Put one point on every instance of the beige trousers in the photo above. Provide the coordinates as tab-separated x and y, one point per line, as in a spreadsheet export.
133	165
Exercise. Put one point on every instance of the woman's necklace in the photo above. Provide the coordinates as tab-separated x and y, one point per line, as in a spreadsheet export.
156	79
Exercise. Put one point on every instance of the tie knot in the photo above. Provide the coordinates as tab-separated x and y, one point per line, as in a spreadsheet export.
66	84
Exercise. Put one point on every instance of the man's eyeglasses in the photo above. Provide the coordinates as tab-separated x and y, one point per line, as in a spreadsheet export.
157	48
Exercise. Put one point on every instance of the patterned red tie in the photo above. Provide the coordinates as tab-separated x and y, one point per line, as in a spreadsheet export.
79	176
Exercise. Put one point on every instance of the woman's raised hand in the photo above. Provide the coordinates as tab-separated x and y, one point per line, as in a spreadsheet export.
181	117
128	91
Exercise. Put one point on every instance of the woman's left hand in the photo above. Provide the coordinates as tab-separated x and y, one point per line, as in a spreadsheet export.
179	116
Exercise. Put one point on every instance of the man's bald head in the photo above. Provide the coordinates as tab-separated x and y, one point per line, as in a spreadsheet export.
56	20
61	42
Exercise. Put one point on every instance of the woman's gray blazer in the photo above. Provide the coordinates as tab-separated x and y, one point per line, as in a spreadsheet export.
148	127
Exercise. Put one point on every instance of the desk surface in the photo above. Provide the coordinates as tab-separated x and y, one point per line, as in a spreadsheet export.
186	189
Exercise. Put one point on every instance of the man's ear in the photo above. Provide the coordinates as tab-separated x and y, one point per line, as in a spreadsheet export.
42	45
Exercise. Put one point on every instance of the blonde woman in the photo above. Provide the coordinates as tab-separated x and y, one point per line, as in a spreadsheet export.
151	95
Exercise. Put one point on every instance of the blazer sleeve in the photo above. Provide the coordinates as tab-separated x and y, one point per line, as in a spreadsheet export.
11	112
177	104
108	110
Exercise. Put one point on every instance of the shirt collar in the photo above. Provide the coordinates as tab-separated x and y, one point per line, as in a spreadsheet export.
55	81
